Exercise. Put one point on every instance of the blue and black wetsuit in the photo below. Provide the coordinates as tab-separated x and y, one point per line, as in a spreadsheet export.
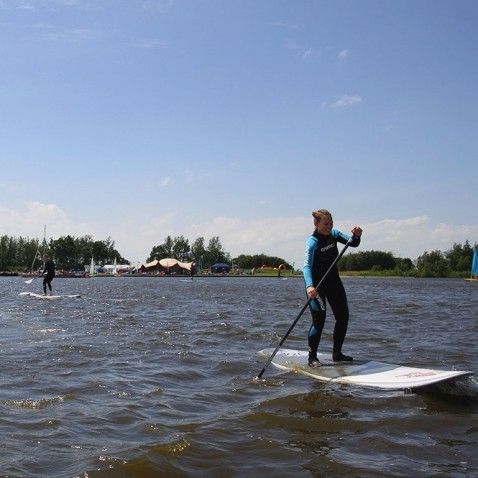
50	274
320	253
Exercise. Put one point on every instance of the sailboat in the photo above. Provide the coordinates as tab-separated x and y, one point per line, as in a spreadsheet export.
474	266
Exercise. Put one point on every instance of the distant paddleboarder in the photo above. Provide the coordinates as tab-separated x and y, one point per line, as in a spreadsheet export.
48	272
320	253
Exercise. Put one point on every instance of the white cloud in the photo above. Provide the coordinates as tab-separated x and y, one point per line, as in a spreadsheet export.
347	100
277	236
30	220
274	236
411	237
343	55
306	54
20	4
46	4
164	182
52	33
25	6
285	236
302	51
195	176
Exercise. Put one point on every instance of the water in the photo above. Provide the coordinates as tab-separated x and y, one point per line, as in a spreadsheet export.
152	377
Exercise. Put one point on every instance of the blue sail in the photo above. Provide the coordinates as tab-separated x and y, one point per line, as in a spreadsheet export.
474	263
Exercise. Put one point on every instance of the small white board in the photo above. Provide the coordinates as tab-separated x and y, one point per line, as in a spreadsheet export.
361	372
48	297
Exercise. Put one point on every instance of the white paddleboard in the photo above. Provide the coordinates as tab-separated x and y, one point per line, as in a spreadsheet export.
48	297
361	372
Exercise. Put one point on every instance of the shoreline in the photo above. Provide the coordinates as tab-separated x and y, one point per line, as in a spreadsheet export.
221	276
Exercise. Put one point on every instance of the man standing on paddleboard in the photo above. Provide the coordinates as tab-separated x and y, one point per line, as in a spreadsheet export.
320	252
49	271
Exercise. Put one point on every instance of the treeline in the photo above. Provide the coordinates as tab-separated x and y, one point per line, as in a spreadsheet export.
73	253
70	253
374	261
17	253
202	254
259	260
205	255
455	262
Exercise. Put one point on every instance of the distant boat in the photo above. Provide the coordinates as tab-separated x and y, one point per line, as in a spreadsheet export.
474	267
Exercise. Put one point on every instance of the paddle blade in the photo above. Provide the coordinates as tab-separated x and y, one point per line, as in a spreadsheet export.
29	281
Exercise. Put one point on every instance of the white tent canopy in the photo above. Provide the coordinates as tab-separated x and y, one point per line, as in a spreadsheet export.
168	263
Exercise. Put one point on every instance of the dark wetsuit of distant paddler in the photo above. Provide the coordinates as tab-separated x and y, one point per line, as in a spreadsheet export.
320	253
50	274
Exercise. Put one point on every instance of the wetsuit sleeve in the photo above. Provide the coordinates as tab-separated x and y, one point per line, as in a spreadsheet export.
310	246
344	238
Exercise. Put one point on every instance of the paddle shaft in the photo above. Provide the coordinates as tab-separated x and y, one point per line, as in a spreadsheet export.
303	310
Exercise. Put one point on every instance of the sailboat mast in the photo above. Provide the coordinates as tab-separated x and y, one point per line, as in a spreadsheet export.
44	245
37	252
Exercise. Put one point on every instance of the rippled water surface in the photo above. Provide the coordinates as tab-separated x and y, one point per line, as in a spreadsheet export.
151	377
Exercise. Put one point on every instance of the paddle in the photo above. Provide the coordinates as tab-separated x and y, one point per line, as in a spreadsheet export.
29	281
303	310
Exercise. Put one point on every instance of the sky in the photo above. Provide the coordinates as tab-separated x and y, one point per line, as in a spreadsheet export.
139	119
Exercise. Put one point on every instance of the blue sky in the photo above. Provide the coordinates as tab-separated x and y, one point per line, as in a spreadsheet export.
142	119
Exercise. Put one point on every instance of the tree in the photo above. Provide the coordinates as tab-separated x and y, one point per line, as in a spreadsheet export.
17	253
162	251
74	253
181	250
368	260
68	251
459	257
103	252
215	252
177	248
198	252
403	266
65	252
432	264
100	252
258	260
